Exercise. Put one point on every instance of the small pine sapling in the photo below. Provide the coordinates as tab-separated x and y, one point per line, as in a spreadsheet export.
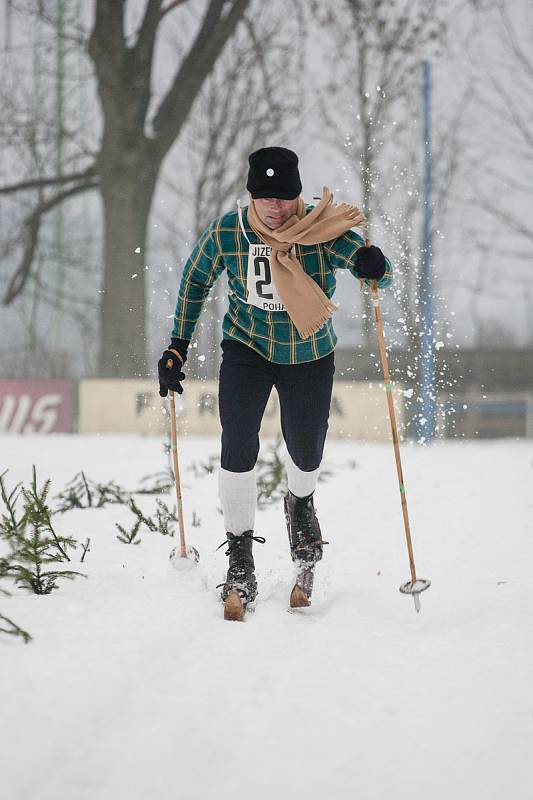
6	624
148	521
205	468
35	545
38	514
161	524
85	548
77	494
31	556
10	525
81	492
157	483
271	475
165	518
132	536
13	629
196	520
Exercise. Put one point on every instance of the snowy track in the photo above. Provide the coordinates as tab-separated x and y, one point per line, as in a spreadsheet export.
135	687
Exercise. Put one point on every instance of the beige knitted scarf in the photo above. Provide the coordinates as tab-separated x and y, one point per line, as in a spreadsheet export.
307	305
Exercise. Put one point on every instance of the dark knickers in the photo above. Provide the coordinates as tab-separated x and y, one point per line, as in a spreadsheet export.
304	390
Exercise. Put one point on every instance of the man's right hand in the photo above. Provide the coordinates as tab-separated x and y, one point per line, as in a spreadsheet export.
170	365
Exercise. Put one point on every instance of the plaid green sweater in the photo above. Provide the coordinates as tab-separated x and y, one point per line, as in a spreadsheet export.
271	333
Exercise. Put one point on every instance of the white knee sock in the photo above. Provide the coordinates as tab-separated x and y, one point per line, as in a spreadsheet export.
238	495
300	483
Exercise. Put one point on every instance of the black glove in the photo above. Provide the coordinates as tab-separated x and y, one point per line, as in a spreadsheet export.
170	374
370	262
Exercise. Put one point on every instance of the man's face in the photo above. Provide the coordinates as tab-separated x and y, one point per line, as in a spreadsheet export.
274	212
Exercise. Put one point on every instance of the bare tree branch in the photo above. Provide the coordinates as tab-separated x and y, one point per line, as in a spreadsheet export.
508	219
515	113
144	45
209	43
152	15
526	63
170	7
33	225
259	51
40	183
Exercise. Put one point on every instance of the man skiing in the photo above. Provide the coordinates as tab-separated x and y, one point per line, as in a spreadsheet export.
281	256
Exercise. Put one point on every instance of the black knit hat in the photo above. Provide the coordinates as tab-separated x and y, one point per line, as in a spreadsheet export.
274	173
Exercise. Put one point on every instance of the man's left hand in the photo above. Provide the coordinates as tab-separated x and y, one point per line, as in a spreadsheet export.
370	262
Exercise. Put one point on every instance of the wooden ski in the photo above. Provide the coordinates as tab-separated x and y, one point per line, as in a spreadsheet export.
234	608
302	589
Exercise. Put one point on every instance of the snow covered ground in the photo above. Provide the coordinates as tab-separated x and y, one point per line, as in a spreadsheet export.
134	686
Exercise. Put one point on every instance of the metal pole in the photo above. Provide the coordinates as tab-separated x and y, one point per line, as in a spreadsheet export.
426	418
58	226
8	21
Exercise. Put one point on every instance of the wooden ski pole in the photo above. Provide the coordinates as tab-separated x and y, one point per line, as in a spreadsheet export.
414	586
185	552
394	427
177	481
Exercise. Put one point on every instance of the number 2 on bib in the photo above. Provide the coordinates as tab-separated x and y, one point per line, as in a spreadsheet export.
262	263
261	288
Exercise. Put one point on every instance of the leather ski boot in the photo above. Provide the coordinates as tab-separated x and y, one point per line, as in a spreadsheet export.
305	540
240	587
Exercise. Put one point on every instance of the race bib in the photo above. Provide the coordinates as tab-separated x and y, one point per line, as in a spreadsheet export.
261	287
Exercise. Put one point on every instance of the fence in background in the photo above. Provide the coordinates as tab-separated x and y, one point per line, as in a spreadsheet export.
489	416
36	406
358	410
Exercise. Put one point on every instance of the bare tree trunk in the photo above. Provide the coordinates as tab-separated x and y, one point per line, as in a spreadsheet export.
126	209
130	160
